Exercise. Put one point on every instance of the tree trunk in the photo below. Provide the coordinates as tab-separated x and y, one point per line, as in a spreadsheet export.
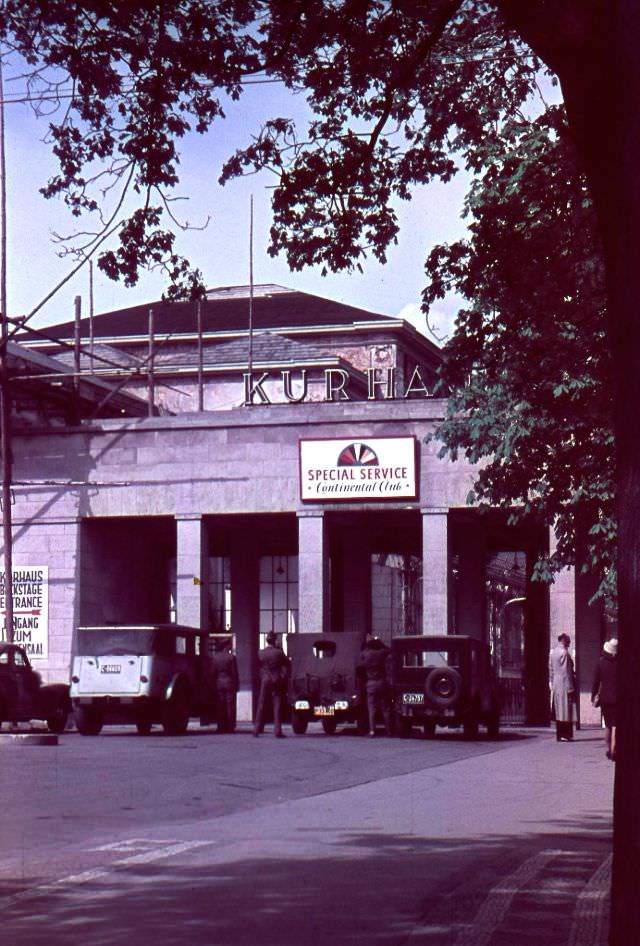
594	52
621	224
610	145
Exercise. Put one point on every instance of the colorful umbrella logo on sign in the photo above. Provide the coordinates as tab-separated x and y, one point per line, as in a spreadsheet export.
358	454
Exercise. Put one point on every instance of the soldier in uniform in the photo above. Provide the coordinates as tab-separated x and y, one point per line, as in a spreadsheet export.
226	676
274	676
374	660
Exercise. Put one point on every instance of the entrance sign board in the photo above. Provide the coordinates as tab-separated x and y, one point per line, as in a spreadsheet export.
30	609
358	470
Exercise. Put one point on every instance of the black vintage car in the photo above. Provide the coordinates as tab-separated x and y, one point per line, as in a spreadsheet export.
326	681
24	697
443	681
142	674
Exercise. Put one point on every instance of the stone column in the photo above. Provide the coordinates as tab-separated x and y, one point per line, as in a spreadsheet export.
562	606
313	573
435	571
245	582
562	620
356	582
191	564
583	622
471	602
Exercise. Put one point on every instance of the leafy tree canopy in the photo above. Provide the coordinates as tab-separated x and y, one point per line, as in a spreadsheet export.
397	90
401	93
528	368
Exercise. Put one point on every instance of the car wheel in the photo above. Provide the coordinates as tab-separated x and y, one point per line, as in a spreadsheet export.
299	724
88	721
403	726
493	725
143	724
470	728
175	717
443	687
57	720
329	726
429	729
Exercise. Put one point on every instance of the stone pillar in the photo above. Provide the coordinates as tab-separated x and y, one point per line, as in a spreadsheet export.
245	581
591	632
313	573
562	606
435	571
356	582
472	600
570	613
191	571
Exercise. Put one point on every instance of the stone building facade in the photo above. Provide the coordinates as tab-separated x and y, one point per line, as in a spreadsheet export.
190	492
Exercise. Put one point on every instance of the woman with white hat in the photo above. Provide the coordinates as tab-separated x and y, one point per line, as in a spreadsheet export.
604	692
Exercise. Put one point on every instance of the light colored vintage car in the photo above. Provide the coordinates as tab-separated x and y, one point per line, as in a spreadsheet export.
142	674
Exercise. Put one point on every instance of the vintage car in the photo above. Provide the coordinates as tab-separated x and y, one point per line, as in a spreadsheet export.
326	681
23	696
142	674
443	681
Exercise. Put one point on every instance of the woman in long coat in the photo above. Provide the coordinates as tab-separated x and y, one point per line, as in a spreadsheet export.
562	685
604	693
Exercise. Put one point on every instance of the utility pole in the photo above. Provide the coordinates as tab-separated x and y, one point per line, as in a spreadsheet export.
5	393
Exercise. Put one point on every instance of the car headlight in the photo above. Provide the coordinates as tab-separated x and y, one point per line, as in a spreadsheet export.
341	705
301	705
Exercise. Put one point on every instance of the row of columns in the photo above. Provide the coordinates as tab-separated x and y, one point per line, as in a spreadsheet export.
313	571
313	585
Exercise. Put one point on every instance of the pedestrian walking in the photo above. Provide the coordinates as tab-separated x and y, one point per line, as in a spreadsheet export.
374	661
562	686
274	677
604	693
226	671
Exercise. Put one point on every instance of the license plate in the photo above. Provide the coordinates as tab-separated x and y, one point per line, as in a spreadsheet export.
110	668
413	698
324	710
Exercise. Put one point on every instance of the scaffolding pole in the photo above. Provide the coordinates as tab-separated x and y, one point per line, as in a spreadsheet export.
151	366
200	358
77	313
5	392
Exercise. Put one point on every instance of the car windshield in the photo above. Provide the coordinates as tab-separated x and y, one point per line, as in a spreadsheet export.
422	657
95	642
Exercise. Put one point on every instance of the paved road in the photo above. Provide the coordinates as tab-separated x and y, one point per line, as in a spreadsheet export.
230	841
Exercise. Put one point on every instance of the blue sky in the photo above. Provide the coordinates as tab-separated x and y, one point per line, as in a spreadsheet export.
221	250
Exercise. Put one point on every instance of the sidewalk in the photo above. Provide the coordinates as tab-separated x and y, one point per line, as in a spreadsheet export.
509	848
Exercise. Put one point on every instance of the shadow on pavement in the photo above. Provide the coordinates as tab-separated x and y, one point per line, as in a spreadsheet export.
367	888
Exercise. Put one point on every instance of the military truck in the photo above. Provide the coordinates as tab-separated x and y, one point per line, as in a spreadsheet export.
326	682
142	674
443	681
